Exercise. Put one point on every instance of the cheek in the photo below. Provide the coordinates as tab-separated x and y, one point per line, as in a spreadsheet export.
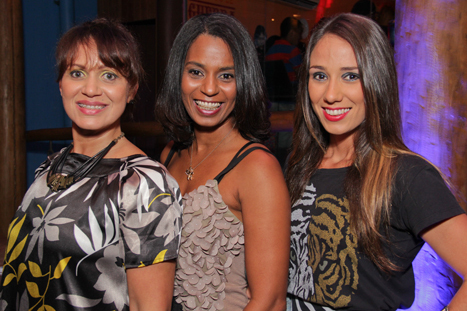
187	86
362	113
313	99
231	99
359	100
313	93
67	91
185	96
356	93
119	94
317	111
233	91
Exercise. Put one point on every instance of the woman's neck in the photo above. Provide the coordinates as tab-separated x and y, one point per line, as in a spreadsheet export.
340	152
206	139
89	143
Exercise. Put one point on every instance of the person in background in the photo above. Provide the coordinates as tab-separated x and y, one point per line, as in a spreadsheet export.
235	246
283	60
99	228
363	203
285	48
260	42
270	41
301	45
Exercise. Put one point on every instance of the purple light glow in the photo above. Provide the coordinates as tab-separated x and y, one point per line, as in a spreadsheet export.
427	118
435	282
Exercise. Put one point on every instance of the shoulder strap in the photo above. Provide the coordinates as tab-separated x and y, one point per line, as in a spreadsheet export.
237	159
170	155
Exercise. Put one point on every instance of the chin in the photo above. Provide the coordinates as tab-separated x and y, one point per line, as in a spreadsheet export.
93	127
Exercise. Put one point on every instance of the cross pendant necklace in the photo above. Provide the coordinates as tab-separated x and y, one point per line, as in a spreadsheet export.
189	173
191	170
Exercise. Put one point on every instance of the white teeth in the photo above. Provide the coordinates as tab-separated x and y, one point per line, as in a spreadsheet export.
336	112
207	105
90	107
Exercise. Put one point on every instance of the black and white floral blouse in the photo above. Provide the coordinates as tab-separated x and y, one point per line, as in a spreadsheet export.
68	250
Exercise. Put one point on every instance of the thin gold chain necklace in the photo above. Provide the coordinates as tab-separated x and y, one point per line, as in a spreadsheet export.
191	170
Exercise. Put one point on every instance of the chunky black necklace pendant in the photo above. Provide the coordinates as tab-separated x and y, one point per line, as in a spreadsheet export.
56	180
59	181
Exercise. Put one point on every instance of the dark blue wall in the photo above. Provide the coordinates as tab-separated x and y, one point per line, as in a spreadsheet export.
43	23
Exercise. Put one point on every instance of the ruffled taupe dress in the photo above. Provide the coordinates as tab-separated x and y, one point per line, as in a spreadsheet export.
211	272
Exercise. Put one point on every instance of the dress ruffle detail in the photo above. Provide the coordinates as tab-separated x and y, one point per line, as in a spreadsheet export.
211	237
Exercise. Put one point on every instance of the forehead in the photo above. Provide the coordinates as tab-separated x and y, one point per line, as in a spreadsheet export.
85	54
334	50
209	49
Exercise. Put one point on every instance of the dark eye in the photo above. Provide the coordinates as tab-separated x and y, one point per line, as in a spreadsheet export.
351	76
195	72
227	76
319	76
76	74
109	76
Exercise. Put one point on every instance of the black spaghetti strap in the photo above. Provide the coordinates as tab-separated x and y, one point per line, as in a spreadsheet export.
175	148
170	155
237	159
243	148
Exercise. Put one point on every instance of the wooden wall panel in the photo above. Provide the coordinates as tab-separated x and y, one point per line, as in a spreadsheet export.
127	10
431	57
12	119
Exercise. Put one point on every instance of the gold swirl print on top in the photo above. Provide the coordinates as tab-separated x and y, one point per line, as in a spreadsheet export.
332	252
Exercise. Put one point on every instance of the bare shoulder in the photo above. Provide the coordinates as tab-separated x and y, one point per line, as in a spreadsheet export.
260	161
260	170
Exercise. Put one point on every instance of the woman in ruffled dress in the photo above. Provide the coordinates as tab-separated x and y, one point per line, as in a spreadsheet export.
363	203
99	228
235	237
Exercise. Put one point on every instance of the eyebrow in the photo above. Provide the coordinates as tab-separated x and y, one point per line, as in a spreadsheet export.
203	66
97	67
77	65
342	68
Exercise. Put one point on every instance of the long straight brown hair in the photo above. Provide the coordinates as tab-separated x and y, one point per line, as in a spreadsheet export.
369	181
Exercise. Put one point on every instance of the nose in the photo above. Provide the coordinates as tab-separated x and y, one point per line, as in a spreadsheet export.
333	92
210	85
91	87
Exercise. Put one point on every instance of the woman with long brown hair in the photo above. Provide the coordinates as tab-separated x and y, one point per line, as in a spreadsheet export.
363	203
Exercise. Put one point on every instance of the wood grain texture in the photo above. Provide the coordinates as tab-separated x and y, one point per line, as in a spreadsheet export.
12	119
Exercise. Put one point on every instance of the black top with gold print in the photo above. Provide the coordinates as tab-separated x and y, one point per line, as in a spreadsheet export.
326	266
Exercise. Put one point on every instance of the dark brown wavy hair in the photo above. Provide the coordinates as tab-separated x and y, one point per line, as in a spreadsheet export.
378	142
250	113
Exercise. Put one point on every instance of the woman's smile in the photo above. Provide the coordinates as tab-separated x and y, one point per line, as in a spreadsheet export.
209	87
210	106
91	108
335	114
334	86
94	95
